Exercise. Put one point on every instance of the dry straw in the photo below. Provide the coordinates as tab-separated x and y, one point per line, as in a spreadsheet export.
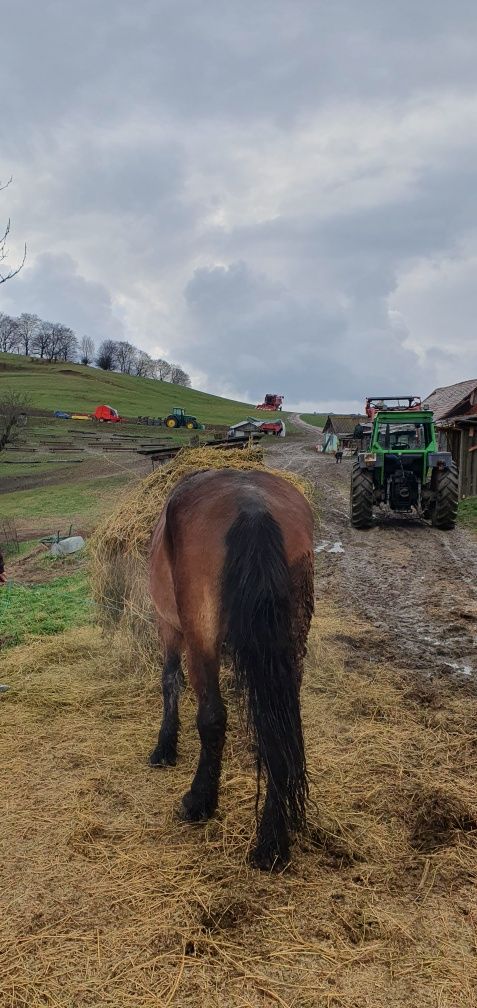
107	900
119	548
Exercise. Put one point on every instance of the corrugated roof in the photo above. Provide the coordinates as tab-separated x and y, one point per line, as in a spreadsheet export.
344	424
246	423
443	401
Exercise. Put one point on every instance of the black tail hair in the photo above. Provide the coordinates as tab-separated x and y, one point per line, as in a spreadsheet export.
257	607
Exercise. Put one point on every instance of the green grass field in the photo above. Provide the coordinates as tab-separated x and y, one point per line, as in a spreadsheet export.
75	387
315	419
44	609
36	468
65	499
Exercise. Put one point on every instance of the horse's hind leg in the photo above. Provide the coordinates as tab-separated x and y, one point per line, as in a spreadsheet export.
201	801
165	753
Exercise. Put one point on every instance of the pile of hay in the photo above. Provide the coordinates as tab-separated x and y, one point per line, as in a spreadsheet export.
107	900
119	547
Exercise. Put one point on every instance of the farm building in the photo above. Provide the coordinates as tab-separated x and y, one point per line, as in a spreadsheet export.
252	426
455	414
244	428
339	431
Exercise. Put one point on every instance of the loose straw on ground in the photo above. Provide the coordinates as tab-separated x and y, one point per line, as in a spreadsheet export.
106	899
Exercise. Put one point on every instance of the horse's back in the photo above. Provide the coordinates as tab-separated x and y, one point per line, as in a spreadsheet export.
205	504
188	549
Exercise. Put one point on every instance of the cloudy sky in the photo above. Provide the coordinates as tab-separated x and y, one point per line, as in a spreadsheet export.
279	194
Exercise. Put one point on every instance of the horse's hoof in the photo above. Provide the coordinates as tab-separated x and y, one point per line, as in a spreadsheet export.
162	757
193	811
267	859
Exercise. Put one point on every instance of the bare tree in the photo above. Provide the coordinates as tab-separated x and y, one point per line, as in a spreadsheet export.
143	365
27	327
86	350
179	377
68	345
13	407
3	248
41	339
163	369
107	355
8	333
125	354
58	335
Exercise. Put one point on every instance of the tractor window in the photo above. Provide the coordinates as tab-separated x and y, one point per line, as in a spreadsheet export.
403	437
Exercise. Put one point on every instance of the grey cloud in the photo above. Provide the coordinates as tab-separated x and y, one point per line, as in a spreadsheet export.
231	59
55	290
258	188
244	325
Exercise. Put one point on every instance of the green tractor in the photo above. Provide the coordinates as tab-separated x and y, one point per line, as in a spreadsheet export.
178	418
402	470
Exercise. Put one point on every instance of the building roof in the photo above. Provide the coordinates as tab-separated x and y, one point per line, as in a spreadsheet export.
466	418
344	424
250	421
444	401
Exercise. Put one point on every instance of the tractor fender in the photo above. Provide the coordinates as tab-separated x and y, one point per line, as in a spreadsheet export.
441	459
363	464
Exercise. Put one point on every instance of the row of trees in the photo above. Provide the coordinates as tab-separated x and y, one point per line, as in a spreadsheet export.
28	334
124	357
53	341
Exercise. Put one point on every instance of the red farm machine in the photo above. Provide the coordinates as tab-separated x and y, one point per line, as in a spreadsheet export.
102	414
106	414
271	402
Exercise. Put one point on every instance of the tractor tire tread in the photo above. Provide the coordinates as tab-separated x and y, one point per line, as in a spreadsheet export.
447	499
362	496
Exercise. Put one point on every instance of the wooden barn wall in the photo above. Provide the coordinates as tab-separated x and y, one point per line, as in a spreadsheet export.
468	462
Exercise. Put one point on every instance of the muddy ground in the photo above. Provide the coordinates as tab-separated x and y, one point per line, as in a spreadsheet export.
417	585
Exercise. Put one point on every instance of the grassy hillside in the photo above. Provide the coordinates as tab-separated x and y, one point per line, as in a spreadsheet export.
70	496
316	419
74	387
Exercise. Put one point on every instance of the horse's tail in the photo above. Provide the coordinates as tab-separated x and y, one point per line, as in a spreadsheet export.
257	607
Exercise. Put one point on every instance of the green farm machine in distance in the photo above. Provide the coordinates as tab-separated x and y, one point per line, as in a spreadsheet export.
402	471
179	418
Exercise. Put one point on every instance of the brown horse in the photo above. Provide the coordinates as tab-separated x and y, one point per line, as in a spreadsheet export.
232	564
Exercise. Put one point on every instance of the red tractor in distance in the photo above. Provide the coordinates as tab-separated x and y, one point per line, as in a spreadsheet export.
271	402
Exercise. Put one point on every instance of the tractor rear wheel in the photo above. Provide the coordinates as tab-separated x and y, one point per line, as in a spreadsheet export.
447	498
171	422
362	493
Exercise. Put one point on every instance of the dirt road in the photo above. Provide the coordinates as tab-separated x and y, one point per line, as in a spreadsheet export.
417	585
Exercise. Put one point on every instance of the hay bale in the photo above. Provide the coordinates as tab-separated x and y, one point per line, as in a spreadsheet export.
120	546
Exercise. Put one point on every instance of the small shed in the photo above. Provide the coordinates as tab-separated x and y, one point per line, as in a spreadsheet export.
339	429
244	428
455	415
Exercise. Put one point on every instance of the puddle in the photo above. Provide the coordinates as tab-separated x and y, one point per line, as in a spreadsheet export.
461	669
328	546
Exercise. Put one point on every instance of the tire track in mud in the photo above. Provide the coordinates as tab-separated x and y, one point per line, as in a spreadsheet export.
417	585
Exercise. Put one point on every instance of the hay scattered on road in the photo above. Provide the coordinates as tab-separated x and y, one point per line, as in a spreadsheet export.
109	901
